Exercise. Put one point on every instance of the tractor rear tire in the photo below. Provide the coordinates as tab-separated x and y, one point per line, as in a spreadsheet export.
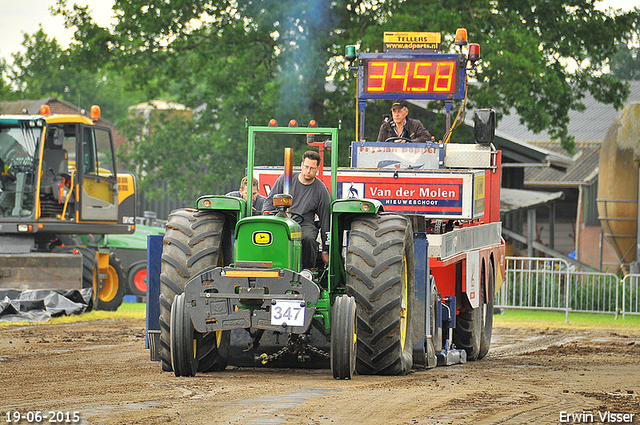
380	276
487	311
213	351
183	340
194	241
343	337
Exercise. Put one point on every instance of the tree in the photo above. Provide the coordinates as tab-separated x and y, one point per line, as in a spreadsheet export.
625	64
253	59
6	93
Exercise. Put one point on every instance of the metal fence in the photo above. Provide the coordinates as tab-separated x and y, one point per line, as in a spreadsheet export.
553	284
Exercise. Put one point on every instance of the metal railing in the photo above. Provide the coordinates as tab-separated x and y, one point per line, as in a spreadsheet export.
553	284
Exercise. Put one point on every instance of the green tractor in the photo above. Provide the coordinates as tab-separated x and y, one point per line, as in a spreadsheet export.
232	290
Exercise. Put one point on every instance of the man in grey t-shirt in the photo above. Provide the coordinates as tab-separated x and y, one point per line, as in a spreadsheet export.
310	198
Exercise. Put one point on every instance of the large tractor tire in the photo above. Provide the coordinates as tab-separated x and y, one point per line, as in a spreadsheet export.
194	241
343	337
379	266
111	288
487	299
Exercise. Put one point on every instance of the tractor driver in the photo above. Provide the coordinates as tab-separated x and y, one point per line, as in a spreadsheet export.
257	202
310	198
401	126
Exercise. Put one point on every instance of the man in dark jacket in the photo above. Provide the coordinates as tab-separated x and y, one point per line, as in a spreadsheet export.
257	200
401	126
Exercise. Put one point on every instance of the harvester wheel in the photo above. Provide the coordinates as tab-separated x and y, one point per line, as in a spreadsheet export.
343	337
183	339
137	279
379	266
90	273
194	241
487	301
112	287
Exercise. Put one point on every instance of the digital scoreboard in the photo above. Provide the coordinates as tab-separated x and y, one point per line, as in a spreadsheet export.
410	76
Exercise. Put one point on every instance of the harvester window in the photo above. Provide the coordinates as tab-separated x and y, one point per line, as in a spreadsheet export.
104	154
97	153
88	152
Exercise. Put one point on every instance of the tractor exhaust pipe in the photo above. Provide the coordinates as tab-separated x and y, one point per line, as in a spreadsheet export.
288	169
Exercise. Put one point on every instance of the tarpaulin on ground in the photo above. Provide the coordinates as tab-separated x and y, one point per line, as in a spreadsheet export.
38	305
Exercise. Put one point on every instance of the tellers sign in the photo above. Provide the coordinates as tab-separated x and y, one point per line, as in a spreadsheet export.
411	76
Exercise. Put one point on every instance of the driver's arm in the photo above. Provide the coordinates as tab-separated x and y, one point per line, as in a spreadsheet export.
419	133
384	132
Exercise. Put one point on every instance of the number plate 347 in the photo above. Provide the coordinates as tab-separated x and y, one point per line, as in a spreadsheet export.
289	312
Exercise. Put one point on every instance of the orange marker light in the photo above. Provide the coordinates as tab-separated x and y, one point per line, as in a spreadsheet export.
313	123
45	110
293	123
273	123
461	37
95	112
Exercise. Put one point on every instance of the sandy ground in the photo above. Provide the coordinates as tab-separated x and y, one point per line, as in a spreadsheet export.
101	372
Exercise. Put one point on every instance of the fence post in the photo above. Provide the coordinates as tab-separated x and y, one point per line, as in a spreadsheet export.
568	294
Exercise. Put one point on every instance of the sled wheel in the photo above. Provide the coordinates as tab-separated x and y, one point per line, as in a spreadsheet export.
468	332
487	311
343	337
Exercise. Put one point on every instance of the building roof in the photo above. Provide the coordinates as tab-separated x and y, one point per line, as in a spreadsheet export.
518	199
583	171
588	126
518	144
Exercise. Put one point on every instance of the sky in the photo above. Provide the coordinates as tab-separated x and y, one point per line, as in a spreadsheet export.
25	16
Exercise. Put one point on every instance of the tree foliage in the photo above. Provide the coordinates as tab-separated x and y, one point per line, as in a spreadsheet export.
625	64
251	60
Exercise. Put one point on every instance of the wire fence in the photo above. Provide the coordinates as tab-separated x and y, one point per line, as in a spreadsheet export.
553	284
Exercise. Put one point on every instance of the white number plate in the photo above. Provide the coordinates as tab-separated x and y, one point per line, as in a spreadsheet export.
289	312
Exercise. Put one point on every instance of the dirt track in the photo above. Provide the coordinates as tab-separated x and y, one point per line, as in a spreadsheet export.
530	376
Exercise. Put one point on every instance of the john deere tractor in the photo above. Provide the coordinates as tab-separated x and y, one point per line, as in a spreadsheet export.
232	290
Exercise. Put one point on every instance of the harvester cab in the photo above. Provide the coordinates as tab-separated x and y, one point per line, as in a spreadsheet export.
59	180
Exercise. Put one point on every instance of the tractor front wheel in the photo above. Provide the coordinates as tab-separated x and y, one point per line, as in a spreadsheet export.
343	337
183	339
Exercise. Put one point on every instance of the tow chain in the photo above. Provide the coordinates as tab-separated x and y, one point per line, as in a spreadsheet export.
319	351
264	358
